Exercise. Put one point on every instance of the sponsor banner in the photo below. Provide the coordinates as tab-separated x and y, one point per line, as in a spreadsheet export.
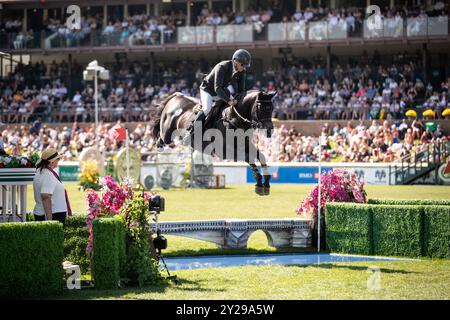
378	175
290	175
69	172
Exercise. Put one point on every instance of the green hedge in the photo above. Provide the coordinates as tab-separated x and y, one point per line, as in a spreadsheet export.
409	202
76	237
108	252
388	229
397	230
394	201
31	256
437	231
435	202
349	228
121	238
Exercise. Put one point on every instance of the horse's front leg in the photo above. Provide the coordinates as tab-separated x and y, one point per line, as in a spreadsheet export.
259	187
262	160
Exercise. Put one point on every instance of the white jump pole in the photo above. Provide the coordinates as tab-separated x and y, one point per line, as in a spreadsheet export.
127	146
318	198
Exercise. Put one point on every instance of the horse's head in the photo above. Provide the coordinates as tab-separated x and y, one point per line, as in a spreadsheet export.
262	111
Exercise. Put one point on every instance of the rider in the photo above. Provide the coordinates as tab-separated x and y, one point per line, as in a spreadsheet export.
226	82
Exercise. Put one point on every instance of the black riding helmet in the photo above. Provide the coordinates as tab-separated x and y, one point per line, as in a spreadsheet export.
243	56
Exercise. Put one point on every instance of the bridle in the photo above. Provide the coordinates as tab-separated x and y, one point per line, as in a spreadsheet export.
258	124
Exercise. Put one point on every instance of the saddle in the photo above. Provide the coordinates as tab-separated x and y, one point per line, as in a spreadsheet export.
215	115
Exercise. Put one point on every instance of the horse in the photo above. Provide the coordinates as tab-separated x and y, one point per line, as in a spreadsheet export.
226	124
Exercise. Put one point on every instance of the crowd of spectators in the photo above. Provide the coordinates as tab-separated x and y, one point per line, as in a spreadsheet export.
381	141
363	88
357	89
140	28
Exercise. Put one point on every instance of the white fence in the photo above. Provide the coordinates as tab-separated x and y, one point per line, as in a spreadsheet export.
13	195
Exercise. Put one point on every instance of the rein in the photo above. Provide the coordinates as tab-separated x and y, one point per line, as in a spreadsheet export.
255	124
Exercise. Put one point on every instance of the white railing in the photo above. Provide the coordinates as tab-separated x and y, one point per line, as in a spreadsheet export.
389	28
13	193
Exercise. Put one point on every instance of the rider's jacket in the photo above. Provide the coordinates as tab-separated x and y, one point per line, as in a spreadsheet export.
224	74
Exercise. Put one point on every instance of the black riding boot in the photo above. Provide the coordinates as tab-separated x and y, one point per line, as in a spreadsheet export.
201	117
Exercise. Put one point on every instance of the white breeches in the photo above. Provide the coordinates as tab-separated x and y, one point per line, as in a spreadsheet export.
207	100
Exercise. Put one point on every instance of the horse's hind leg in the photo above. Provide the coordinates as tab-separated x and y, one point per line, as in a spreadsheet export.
262	160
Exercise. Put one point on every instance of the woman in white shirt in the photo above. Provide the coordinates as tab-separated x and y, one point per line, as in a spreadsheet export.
52	202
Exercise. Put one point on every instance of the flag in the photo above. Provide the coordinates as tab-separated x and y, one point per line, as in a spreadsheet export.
121	134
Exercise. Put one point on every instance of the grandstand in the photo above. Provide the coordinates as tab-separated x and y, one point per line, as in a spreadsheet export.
334	73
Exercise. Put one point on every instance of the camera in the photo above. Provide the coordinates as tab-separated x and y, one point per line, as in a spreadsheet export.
160	242
157	204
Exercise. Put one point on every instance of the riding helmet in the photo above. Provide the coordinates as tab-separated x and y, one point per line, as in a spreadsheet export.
243	56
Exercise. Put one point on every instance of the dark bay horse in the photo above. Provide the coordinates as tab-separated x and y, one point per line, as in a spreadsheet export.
228	130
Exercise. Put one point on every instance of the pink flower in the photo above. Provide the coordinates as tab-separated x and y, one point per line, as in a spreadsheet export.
337	185
110	202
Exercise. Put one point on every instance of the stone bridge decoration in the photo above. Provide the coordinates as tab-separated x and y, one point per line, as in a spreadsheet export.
234	233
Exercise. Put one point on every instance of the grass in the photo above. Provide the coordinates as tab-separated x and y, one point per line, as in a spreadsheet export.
427	279
240	201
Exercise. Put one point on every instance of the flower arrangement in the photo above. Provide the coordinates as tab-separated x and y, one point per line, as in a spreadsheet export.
337	185
13	162
141	268
132	206
109	202
89	175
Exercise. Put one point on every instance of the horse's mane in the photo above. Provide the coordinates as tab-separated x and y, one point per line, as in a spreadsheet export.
250	95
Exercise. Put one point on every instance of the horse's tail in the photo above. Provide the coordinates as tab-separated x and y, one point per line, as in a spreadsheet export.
155	123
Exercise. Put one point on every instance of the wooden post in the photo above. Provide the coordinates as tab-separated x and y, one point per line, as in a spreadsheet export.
424	63
10	63
125	11
328	60
69	61
147	9
298	5
188	13
25	20
391	4
105	15
233	8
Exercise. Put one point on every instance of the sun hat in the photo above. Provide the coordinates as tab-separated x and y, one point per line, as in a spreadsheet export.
49	154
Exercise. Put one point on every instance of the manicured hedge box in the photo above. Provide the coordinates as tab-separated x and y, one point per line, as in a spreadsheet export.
108	252
394	201
31	256
436	202
349	228
397	230
76	237
409	202
437	231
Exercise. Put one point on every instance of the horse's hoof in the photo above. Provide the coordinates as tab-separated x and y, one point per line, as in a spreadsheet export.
259	190
266	191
